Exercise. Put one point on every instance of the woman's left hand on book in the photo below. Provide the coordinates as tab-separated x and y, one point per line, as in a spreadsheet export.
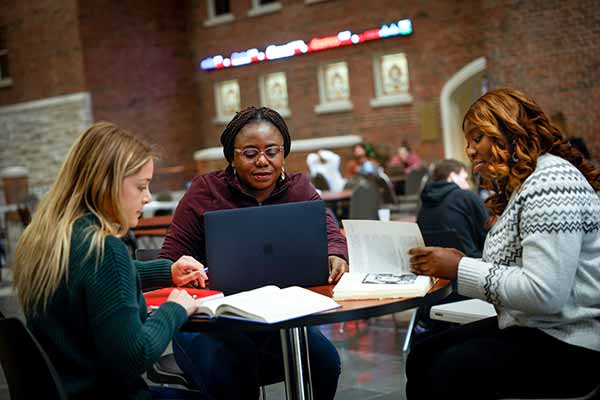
188	271
439	262
184	299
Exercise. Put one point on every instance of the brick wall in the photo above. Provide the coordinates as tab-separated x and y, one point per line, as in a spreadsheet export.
139	70
446	37
551	50
138	60
45	54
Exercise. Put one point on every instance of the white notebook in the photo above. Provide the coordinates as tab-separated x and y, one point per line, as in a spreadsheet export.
463	312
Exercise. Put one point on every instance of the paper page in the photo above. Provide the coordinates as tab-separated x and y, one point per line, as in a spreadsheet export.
294	302
239	298
275	305
381	246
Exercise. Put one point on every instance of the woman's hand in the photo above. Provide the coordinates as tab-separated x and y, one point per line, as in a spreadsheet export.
440	262
337	267
188	271
184	299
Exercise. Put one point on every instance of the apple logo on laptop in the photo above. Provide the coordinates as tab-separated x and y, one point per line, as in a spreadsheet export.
268	248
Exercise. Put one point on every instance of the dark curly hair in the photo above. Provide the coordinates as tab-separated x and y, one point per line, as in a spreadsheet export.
520	132
246	116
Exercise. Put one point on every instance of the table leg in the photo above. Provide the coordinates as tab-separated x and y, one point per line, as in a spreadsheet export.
294	346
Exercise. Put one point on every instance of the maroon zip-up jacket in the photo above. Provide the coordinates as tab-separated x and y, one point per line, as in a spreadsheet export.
220	190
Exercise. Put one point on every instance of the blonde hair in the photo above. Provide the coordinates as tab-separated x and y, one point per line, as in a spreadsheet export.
520	132
89	181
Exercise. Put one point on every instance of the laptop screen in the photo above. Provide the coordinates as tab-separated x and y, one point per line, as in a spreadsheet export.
283	245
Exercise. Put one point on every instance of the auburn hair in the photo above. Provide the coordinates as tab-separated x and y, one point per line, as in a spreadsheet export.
520	132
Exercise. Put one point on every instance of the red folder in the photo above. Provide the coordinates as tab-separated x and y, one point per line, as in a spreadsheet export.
156	297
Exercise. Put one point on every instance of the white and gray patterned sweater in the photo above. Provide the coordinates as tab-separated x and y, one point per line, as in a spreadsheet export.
541	261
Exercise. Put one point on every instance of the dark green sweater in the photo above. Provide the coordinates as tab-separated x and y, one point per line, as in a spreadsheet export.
96	330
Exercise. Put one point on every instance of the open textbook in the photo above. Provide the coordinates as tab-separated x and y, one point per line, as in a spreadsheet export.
379	261
267	304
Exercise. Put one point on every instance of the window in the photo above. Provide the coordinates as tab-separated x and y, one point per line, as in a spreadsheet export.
219	12
4	71
227	99
334	88
273	92
390	74
260	7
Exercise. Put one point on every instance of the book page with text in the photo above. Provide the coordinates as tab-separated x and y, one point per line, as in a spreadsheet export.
271	304
380	246
238	300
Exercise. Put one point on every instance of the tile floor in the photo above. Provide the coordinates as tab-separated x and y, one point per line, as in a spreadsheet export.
371	354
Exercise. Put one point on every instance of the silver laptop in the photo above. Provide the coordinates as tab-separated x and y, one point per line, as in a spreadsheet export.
462	312
283	245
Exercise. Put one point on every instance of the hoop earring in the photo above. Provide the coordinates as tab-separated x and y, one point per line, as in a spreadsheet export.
513	156
234	171
282	176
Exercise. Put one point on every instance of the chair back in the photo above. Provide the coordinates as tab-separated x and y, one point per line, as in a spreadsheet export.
365	201
386	188
146	254
320	182
414	181
27	368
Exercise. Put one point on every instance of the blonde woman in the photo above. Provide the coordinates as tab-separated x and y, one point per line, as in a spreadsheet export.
539	267
80	291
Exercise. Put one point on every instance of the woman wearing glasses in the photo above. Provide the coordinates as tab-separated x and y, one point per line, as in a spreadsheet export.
234	366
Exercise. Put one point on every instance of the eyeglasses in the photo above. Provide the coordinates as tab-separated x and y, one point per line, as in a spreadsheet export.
252	154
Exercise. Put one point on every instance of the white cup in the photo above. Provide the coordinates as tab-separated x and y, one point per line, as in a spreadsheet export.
384	214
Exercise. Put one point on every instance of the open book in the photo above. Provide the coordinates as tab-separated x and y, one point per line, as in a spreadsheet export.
268	304
379	261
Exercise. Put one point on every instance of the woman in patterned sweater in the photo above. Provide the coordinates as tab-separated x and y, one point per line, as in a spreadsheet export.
80	291
540	266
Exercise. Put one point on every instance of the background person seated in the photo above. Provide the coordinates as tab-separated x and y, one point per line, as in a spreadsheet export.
327	164
406	157
361	153
447	203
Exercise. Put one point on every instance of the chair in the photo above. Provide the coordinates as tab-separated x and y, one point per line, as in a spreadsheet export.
408	203
386	189
320	182
28	370
165	371
365	201
414	181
